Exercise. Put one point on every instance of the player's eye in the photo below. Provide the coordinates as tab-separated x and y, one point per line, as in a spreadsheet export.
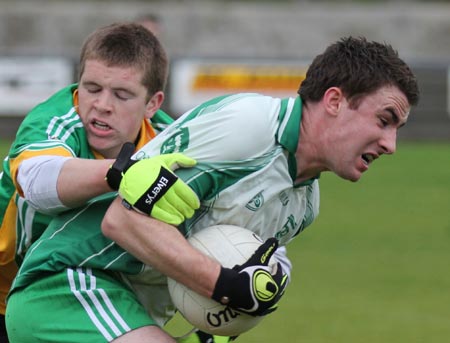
123	95
92	88
384	122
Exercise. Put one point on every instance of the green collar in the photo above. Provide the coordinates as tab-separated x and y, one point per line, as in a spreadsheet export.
288	134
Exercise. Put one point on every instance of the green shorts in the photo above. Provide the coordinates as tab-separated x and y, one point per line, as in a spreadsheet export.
76	305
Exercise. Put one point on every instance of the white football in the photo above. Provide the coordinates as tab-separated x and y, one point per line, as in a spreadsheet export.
229	245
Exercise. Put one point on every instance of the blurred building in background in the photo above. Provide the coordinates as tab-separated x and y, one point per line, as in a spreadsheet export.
218	47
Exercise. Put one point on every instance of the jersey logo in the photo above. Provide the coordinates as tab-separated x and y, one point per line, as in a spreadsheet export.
178	142
289	227
284	198
256	203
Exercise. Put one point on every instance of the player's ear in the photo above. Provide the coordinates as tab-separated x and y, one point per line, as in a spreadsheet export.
153	104
333	99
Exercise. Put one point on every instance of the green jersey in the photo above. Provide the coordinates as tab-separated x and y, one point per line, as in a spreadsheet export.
51	128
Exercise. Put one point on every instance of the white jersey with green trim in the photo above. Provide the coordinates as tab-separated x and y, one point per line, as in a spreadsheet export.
244	145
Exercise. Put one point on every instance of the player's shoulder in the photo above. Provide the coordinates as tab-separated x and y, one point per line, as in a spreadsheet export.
244	125
53	122
251	104
246	112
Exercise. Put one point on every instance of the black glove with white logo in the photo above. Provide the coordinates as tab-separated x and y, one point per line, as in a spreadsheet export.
251	287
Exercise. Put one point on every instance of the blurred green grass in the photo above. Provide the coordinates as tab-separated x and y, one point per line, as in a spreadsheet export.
374	267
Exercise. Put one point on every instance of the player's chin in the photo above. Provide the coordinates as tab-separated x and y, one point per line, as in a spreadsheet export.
98	143
104	145
351	175
354	179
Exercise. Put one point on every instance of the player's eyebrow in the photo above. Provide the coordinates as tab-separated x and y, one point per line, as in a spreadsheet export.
89	83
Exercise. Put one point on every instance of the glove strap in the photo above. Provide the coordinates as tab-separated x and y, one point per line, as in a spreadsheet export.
156	191
222	288
113	177
114	174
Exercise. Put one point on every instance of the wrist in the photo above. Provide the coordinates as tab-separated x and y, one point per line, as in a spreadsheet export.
121	164
113	177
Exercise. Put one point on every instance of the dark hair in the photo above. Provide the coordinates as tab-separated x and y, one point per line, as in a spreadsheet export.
128	45
358	68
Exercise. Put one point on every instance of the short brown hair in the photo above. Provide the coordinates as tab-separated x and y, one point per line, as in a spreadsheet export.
358	68
129	45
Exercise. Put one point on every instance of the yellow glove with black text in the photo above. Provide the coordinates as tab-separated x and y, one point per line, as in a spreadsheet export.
150	186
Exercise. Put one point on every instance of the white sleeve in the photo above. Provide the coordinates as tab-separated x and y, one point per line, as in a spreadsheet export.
281	256
38	176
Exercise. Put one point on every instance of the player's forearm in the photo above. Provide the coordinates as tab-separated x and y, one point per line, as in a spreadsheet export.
81	180
51	184
161	246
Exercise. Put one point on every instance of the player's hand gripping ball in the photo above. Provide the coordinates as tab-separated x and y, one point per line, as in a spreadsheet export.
251	287
233	247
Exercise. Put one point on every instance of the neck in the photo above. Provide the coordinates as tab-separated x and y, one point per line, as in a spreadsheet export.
308	153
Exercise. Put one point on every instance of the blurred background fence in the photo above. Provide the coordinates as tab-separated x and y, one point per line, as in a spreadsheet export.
262	42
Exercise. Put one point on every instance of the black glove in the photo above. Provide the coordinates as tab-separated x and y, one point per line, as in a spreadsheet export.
120	166
203	337
251	288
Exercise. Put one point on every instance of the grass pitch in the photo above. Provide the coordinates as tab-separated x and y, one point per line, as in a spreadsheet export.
374	267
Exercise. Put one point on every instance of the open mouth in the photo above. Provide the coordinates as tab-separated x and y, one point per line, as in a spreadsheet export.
368	158
100	125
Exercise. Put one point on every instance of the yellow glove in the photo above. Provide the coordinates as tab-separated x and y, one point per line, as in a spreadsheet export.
149	186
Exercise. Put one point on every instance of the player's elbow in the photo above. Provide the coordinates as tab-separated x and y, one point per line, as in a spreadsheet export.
108	227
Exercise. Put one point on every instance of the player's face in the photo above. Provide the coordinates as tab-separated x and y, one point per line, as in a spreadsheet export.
368	131
112	105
